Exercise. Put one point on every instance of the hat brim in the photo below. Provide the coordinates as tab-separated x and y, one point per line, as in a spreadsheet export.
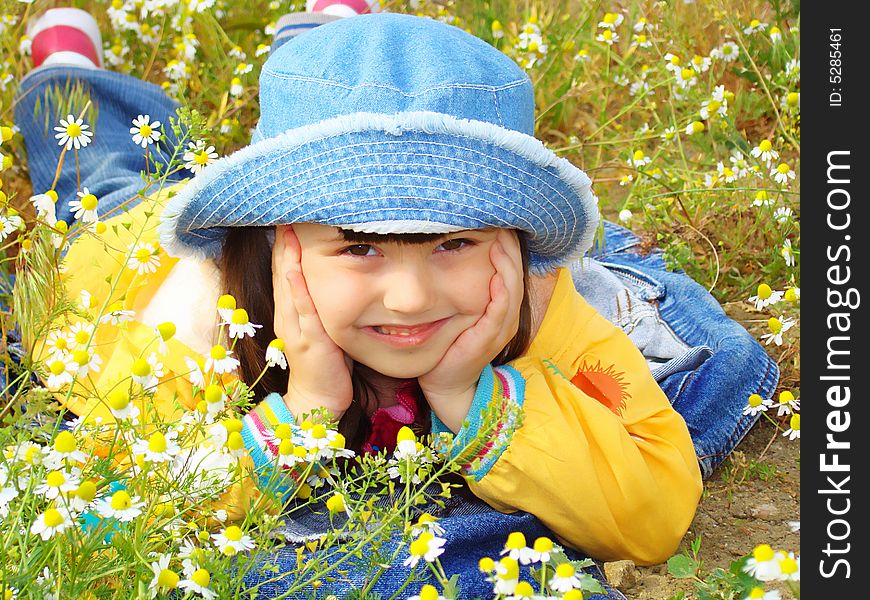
415	172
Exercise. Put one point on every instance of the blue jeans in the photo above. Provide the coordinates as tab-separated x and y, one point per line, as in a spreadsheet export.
706	363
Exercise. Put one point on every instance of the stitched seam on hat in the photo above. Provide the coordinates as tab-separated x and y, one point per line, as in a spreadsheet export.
495	105
519	190
249	181
338	84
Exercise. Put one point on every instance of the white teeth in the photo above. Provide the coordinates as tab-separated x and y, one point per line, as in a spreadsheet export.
387	331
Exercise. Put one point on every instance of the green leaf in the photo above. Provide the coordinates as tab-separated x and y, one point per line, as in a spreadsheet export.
682	566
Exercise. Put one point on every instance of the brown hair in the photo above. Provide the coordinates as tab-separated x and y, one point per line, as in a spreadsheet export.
246	270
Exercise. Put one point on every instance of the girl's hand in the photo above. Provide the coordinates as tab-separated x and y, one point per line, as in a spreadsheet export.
450	386
319	369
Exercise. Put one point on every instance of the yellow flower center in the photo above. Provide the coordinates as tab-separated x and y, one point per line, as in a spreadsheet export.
697	127
524	589
145	131
795	422
405	434
419	547
785	397
428	592
516	540
638	155
775	31
277	343
218	352
142	254
121	500
81	357
765	146
318	432
756	592
233	425
687	73
713	105
610	18
755	400
157	442
641	38
783	168
201	577
240	317
87	491
89	202
338	441
82	336
754	23
235	441
763	553
233	533
774	324
214	393
52	517
788	565
573	595
607	34
141	368
790	295
73	130
336	504
533	46
61	343
543	544
65	442
227	301
166	330
764	291
55	479
118	399
792	99
497	26
565	570
675	60
486	564
286	447
168	579
57	367
201	158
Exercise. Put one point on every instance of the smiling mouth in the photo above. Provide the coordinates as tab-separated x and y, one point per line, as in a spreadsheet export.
406	335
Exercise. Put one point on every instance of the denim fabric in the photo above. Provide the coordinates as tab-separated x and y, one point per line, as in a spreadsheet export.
472	530
389	123
111	164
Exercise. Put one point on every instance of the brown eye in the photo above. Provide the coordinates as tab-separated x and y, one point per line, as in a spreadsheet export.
358	250
455	244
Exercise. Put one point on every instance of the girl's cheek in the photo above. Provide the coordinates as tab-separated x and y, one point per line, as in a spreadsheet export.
470	284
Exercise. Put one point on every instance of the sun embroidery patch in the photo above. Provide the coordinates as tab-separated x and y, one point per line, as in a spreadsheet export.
605	384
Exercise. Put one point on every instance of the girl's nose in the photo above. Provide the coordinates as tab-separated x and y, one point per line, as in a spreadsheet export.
409	289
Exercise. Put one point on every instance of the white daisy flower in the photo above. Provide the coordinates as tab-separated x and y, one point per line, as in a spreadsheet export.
232	540
73	133
765	296
144	258
787	404
220	360
147	371
165	579
198	582
790	565
158	448
516	548
240	325
427	547
427	522
198	156
758	593
145	131
729	51
701	63
80	334
59	343
196	375
86	362
45	206
61	370
673	63
763	564
782	173
764	150
50	522
117	314
756	404
58	482
639	160
275	354
794	430
787	253
625	215
120	505
754	26
120	405
608	36
777	327
565	579
84	207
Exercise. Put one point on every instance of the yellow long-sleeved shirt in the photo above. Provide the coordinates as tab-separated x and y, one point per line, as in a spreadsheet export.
601	457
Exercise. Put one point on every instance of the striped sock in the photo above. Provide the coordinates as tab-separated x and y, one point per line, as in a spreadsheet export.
67	36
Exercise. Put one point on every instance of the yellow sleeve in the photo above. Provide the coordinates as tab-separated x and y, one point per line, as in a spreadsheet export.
604	461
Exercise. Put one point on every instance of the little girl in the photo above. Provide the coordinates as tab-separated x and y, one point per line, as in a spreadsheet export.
397	225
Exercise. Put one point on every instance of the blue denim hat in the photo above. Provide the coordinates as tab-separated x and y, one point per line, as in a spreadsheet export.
390	123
